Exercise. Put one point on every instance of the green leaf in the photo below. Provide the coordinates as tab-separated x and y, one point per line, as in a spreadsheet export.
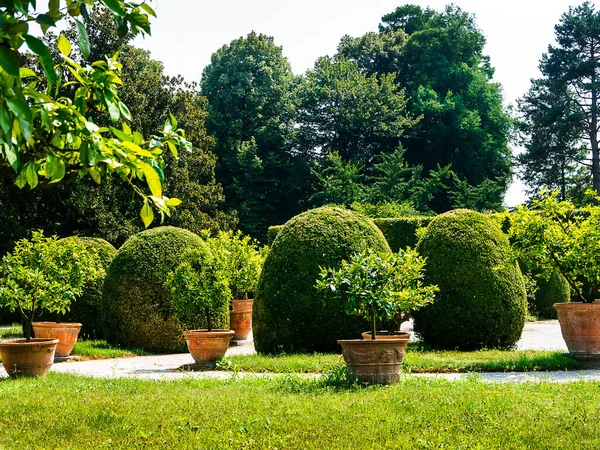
173	202
40	49
45	19
82	39
64	45
153	180
25	72
20	108
146	213
31	175
125	110
115	6
60	170
21	179
53	5
9	61
148	9
12	156
5	121
113	110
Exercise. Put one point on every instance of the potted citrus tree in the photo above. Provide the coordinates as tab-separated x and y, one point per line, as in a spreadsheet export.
554	235
40	275
200	291
377	286
242	259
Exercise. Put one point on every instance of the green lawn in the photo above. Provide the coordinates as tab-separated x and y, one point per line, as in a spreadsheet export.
65	411
416	360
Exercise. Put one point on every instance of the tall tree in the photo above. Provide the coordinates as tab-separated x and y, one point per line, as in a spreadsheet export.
343	110
438	59
252	102
560	112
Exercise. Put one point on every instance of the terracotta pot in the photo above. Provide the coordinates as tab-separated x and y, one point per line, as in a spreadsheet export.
207	346
29	359
375	361
580	326
240	318
384	334
66	333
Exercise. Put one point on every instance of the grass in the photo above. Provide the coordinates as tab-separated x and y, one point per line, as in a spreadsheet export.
416	360
84	350
98	349
66	411
11	331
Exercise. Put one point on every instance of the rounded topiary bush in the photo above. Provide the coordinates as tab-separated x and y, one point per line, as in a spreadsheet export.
289	313
136	307
553	290
482	301
86	308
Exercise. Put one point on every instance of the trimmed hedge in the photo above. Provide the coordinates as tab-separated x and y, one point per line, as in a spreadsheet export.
551	291
87	308
401	232
482	301
136	304
289	313
272	233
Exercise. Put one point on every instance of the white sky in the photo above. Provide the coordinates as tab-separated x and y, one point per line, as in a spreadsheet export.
187	32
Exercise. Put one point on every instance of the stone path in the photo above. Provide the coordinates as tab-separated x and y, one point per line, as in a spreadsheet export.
536	336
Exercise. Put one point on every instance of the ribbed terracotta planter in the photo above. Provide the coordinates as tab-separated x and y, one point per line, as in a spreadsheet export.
28	359
65	332
375	361
580	326
240	318
207	346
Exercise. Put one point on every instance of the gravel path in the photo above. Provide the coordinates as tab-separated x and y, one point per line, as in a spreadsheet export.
536	336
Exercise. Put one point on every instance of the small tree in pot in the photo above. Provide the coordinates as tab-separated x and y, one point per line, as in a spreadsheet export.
201	291
377	286
555	235
41	274
242	260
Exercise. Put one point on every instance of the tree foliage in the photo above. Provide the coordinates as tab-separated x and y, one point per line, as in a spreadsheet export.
559	126
438	59
343	110
46	135
79	205
252	101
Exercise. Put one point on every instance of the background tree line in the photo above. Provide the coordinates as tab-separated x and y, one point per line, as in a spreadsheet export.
408	116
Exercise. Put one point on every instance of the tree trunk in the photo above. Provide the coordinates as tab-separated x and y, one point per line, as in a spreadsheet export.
594	132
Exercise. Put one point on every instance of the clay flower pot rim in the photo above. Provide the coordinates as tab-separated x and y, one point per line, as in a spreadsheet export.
205	331
577	305
23	341
58	324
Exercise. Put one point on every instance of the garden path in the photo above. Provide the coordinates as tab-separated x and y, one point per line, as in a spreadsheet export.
536	336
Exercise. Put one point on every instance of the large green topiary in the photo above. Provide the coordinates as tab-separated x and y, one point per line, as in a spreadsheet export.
289	313
86	308
136	303
482	301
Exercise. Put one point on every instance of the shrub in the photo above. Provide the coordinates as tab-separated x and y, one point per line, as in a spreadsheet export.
482	301
86	307
551	290
289	313
378	286
136	306
242	260
401	232
42	275
272	233
200	289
